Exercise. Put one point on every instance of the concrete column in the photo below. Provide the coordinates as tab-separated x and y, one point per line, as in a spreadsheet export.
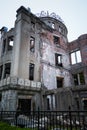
16	49
9	100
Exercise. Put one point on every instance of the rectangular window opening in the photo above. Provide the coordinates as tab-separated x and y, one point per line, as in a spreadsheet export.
32	44
58	60
82	79
56	40
75	57
85	104
79	78
7	70
31	71
48	104
10	43
59	82
32	25
53	25
4	46
75	76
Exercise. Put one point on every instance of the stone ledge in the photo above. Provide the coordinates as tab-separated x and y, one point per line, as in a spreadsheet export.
23	83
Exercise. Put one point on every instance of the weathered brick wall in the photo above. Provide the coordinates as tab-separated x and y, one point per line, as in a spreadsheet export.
80	44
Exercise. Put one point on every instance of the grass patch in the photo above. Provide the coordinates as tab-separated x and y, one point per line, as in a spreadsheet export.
6	126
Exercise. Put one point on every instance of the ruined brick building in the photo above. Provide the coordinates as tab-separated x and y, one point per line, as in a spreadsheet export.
39	67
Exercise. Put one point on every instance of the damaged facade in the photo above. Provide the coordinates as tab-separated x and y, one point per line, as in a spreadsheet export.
39	68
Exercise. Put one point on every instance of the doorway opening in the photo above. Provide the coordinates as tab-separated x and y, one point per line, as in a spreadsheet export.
85	104
24	105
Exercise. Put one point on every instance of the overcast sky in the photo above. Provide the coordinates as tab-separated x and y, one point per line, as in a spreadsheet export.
73	13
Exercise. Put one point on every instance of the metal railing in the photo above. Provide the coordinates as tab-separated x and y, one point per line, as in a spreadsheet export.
47	120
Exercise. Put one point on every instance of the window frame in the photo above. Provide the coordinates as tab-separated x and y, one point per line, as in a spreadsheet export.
78	80
74	58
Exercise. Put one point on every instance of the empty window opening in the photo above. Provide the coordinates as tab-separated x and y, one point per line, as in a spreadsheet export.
75	76
82	79
31	71
10	43
1	69
32	25
7	70
56	40
4	46
75	57
59	29
79	79
32	44
53	25
58	60
59	82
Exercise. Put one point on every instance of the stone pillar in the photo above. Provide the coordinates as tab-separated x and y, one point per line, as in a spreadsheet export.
9	100
52	102
16	48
